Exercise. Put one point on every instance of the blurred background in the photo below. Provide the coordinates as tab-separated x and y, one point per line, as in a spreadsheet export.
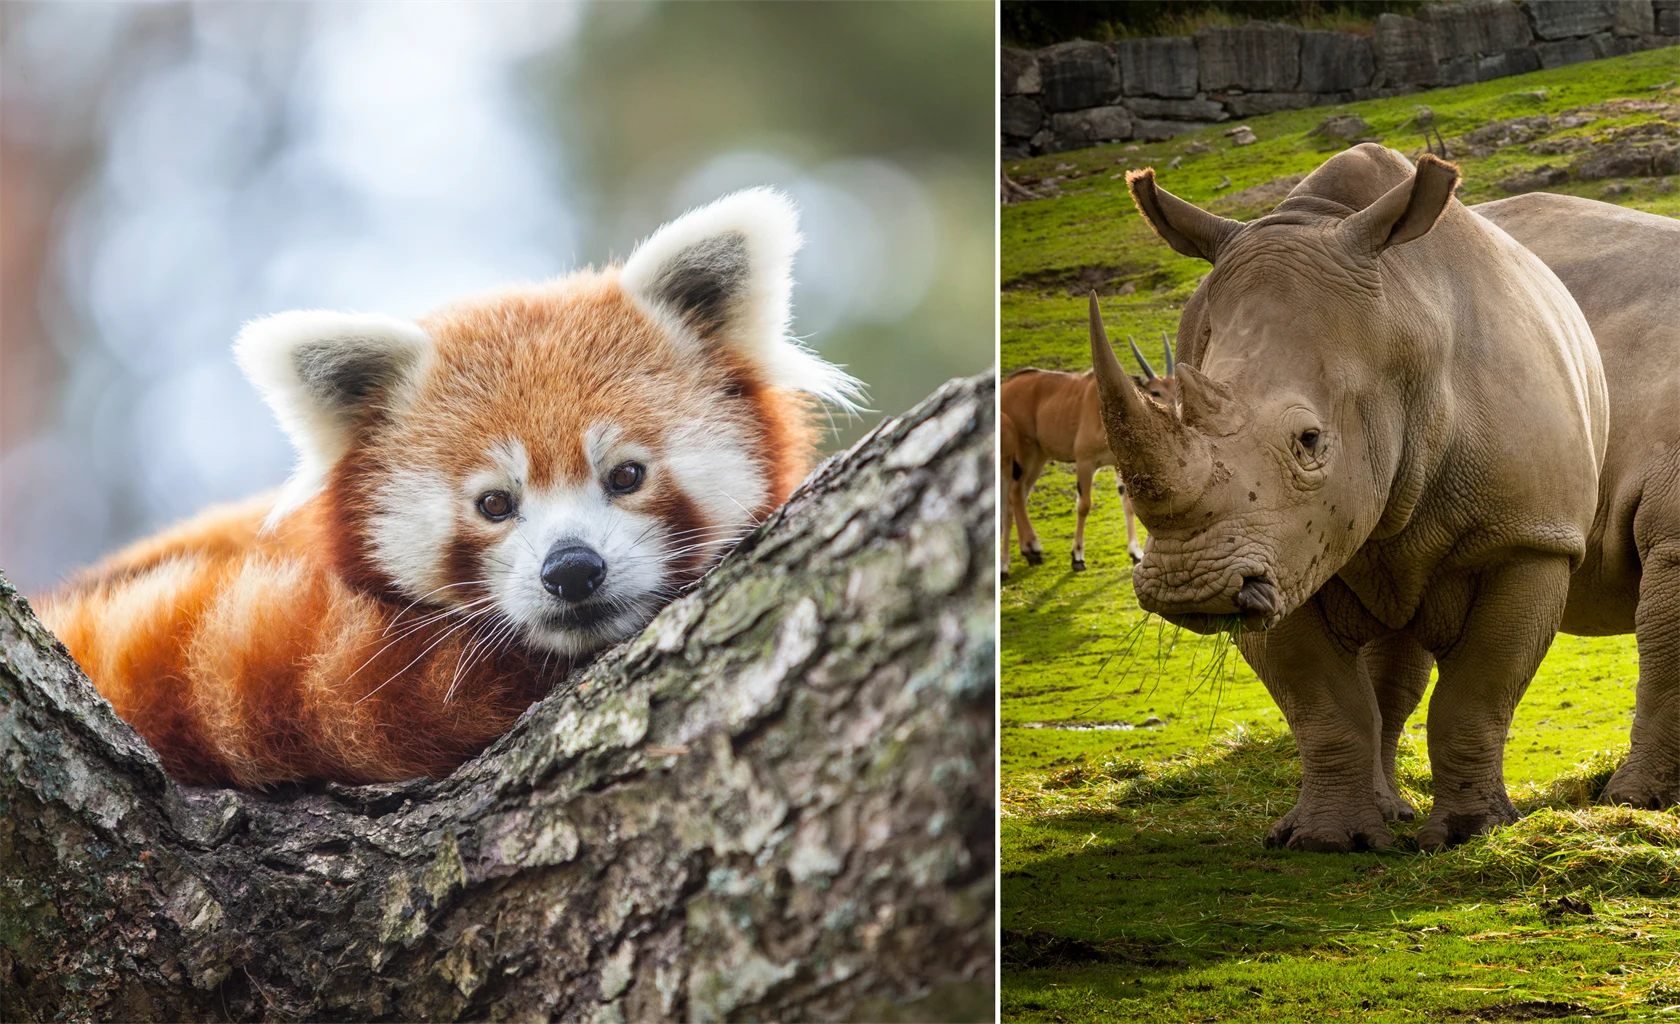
168	171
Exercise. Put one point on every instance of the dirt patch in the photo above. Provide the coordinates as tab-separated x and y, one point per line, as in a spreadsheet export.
1630	151
1533	179
1038	951
1082	281
1527	1009
1634	151
1500	134
1260	198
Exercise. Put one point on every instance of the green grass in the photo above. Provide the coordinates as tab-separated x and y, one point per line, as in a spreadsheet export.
1136	885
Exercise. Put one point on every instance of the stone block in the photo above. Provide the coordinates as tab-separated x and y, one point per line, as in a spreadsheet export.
1566	51
1511	62
1146	129
1089	127
1332	61
1019	72
1252	104
1477	28
1561	19
1177	110
1608	44
1668	22
1633	18
1407	51
1021	117
1458	71
1256	57
1157	67
1077	75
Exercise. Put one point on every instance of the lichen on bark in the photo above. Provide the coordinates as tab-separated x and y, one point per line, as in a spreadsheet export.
776	802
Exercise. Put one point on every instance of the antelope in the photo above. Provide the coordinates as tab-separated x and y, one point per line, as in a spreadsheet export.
1053	416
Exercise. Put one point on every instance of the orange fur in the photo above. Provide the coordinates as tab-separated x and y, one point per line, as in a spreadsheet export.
251	657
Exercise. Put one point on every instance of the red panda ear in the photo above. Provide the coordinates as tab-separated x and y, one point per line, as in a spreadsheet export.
725	272
323	374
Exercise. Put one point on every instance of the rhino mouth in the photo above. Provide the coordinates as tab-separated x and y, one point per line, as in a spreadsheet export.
1254	607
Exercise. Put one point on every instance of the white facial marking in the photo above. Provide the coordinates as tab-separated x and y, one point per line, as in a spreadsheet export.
711	464
412	525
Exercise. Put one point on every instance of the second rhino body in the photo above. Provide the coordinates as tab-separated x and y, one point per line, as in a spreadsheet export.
1623	269
1392	423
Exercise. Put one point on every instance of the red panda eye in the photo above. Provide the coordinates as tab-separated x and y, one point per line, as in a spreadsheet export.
495	505
625	477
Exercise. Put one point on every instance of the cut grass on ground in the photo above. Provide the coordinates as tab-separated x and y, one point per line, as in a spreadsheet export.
1135	882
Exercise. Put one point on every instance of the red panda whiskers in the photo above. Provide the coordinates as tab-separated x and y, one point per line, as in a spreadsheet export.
451	631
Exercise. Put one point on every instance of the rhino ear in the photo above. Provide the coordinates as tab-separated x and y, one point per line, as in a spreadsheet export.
1186	227
1405	212
324	374
725	272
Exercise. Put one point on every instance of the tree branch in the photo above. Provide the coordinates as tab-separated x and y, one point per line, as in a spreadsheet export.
776	802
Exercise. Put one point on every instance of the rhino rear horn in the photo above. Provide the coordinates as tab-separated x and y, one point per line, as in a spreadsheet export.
1208	404
1186	227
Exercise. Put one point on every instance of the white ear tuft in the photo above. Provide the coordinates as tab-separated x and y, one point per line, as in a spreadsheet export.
323	374
725	271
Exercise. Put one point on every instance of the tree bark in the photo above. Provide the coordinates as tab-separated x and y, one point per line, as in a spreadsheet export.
776	802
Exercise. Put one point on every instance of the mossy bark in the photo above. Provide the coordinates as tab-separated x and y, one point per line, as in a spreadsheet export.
777	802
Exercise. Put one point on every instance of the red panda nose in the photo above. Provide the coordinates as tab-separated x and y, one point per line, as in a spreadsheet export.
573	573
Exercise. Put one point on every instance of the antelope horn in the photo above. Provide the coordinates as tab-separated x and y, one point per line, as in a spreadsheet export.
1166	346
1148	371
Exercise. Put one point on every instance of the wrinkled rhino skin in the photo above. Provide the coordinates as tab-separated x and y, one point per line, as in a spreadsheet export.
1393	419
1623	268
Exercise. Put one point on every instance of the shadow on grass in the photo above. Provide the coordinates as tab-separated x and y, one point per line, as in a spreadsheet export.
1133	877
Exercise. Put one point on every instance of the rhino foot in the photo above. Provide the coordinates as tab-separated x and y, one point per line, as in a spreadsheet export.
1331	833
1395	807
1446	828
1646	790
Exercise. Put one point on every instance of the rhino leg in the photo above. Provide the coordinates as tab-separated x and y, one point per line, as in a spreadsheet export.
1651	776
1314	677
1087	472
1398	670
1508	626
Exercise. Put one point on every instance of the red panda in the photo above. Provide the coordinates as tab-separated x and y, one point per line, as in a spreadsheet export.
482	497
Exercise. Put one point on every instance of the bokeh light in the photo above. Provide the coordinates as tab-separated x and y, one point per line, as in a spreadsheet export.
170	171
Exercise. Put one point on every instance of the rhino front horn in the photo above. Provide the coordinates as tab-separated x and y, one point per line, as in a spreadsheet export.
1103	360
1122	400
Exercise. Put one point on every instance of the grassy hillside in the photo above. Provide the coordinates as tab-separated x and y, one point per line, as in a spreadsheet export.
1142	768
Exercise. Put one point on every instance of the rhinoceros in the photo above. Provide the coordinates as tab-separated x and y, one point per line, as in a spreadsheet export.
1392	418
1623	268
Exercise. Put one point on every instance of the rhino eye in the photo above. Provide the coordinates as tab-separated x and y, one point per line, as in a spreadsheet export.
1309	439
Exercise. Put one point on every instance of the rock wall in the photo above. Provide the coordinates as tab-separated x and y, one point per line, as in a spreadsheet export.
1080	93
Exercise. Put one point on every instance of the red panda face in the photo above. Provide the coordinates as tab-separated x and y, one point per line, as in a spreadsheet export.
555	463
